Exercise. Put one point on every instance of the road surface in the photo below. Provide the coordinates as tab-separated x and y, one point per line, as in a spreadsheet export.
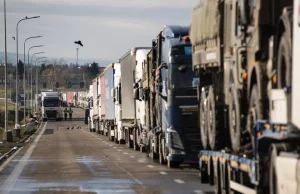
61	160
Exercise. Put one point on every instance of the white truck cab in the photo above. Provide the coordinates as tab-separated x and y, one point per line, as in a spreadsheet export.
51	106
117	100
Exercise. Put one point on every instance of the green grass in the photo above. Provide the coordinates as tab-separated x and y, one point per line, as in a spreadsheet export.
10	105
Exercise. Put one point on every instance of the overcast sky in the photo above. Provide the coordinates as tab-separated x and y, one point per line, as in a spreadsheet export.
107	28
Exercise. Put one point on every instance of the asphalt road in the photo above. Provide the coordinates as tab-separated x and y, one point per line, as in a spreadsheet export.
61	160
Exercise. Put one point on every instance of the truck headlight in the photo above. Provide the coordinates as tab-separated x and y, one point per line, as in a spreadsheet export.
174	139
172	151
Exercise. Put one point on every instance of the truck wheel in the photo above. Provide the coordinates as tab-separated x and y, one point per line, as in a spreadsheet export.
136	147
203	175
203	128
160	152
150	149
217	178
211	119
234	118
128	140
116	136
284	61
254	111
272	171
173	164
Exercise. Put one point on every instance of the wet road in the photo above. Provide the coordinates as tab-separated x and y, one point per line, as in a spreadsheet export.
61	160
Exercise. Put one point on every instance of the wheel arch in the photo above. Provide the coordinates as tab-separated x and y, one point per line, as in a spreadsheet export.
285	24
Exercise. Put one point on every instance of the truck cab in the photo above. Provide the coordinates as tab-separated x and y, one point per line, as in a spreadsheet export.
51	106
175	133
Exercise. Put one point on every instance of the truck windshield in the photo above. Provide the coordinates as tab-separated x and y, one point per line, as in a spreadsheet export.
51	102
182	76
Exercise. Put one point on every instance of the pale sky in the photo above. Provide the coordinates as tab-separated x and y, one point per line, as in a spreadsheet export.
107	28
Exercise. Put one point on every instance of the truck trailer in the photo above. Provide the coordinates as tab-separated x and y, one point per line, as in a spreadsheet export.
140	108
169	87
127	102
244	53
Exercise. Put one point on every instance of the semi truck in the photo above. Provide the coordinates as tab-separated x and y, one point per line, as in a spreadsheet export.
245	54
51	106
109	118
91	121
127	102
95	114
140	108
169	89
117	100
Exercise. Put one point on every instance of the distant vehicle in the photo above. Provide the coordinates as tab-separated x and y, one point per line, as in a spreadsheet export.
51	106
71	104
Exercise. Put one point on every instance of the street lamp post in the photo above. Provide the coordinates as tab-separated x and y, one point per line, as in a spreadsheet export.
36	78
17	73
7	134
24	76
32	76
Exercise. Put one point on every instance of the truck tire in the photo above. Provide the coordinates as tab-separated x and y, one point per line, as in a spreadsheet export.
150	149
160	152
173	164
202	121
116	135
211	119
128	140
254	112
217	178
136	147
203	175
284	61
272	171
234	118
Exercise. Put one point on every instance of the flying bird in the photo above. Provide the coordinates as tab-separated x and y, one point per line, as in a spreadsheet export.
14	38
79	43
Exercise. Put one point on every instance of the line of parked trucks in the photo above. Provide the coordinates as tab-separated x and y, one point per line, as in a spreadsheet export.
222	92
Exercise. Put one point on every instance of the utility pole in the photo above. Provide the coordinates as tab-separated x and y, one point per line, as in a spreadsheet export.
77	56
7	134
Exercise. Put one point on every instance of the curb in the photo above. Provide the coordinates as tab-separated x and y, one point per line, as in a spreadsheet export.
16	148
8	154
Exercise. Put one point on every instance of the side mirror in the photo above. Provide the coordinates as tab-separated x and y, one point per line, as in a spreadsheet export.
135	85
136	94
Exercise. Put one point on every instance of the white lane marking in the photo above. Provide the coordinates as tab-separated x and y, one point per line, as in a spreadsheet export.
179	181
110	145
115	147
125	153
150	166
162	172
10	182
135	179
132	156
198	192
120	150
3	166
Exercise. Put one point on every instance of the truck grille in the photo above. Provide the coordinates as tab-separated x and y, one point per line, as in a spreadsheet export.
51	113
193	139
